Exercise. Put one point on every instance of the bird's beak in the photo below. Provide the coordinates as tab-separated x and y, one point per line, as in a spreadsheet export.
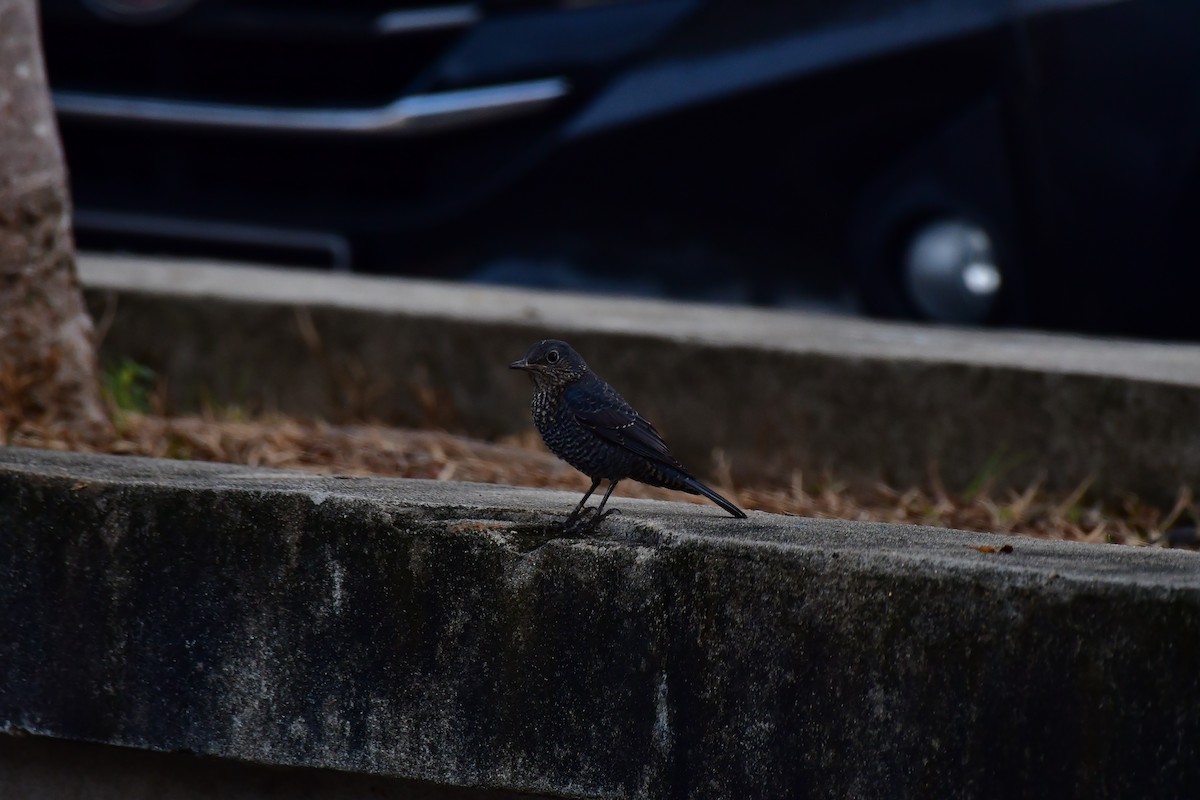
520	364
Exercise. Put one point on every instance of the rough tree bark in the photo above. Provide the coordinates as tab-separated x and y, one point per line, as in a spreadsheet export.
47	353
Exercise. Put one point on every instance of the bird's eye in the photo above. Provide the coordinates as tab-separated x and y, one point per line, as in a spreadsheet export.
552	357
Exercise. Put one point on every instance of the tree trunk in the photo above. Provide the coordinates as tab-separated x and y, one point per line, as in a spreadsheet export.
47	354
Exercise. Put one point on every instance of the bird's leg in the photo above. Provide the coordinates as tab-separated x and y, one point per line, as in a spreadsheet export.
611	485
599	512
570	520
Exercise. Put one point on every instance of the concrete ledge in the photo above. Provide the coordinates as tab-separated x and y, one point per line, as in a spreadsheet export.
776	392
433	631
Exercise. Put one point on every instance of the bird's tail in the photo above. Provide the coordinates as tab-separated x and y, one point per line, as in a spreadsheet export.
699	488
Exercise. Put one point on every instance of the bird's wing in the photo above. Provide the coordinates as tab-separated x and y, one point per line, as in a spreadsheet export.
623	426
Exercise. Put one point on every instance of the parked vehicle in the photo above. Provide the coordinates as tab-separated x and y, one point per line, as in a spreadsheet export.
972	161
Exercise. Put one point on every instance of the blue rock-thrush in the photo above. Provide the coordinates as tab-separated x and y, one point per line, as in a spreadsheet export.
587	424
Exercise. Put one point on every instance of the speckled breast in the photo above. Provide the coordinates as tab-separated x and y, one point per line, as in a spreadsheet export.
575	444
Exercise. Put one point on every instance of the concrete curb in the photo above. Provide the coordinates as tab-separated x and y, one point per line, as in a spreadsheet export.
775	393
433	631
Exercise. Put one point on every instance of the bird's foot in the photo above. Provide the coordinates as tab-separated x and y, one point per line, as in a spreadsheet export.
585	521
574	520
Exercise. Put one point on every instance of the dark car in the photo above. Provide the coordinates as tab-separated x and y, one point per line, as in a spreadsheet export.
978	161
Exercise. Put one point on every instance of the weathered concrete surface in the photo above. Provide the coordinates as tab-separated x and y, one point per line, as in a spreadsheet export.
776	392
432	631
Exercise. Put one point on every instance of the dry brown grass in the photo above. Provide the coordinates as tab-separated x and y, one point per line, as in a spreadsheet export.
377	450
